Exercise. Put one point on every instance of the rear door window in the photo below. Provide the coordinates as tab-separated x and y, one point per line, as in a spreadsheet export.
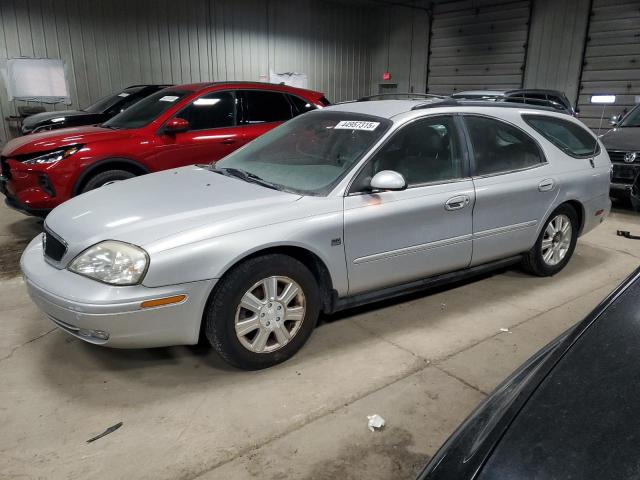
300	105
569	137
264	107
499	147
214	110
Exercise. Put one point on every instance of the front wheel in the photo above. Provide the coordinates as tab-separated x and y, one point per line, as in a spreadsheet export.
555	244
262	312
104	178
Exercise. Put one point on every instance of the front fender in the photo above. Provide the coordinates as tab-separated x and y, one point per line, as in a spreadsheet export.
212	258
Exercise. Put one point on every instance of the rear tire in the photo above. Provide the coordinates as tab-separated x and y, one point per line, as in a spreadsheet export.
251	321
106	177
555	245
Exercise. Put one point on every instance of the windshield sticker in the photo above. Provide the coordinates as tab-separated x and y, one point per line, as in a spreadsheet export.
124	94
356	125
168	98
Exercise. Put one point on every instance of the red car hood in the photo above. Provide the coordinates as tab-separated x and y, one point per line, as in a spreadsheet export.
45	141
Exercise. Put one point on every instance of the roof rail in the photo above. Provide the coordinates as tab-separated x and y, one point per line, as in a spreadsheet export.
415	95
454	102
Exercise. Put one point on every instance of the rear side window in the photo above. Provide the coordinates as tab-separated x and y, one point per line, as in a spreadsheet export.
569	137
300	105
264	107
499	147
215	110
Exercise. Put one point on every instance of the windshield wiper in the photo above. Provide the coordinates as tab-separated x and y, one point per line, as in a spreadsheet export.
246	176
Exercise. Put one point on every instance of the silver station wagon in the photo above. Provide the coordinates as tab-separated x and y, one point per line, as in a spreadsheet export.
342	206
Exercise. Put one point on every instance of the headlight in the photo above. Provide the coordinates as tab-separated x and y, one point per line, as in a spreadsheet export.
116	263
52	157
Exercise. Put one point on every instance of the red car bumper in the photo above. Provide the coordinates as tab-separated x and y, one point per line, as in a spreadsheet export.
34	189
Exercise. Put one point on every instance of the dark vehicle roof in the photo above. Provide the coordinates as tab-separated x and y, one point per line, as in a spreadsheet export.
571	412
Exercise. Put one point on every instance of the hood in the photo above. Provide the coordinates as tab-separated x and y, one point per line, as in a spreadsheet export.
155	206
622	138
45	117
45	141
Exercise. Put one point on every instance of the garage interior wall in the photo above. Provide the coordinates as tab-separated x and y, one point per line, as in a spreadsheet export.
110	44
611	59
556	44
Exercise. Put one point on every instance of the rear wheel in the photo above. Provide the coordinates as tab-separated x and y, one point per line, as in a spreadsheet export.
262	312
104	178
555	244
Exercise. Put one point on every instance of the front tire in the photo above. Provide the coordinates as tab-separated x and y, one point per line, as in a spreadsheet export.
262	312
555	245
103	178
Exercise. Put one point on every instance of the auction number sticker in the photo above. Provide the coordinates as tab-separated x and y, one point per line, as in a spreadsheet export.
168	98
124	94
357	125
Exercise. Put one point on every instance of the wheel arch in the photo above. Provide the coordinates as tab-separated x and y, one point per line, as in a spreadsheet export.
119	163
310	259
579	209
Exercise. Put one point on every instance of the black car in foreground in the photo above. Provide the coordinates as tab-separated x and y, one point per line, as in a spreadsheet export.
571	412
623	145
540	97
99	112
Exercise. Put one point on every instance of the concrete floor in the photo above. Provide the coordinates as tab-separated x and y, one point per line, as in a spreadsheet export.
423	363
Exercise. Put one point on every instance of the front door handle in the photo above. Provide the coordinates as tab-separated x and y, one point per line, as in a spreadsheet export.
546	185
456	203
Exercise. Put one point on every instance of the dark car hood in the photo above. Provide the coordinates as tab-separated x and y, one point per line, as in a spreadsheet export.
583	419
622	138
46	117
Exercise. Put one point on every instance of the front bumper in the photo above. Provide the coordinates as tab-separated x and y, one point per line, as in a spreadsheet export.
35	189
112	316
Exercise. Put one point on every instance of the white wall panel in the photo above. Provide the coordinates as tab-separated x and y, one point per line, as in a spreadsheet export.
109	44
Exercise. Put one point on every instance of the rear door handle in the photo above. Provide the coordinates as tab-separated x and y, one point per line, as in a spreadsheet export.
456	203
546	185
228	140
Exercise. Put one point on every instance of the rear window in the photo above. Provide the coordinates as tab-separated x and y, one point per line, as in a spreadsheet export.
265	107
569	137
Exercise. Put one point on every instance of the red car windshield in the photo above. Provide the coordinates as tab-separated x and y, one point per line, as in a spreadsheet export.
146	110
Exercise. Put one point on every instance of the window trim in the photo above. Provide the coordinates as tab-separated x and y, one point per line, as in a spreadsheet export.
472	155
244	119
598	151
466	167
235	110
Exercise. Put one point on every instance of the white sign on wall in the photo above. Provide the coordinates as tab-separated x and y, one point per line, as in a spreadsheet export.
37	79
293	79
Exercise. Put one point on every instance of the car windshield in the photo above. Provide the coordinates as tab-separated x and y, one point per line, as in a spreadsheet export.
109	101
146	110
309	154
632	119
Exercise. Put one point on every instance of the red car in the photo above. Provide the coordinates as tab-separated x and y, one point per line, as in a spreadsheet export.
174	127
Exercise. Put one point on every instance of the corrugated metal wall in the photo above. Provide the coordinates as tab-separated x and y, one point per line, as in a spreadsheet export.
556	44
401	38
612	58
109	44
477	45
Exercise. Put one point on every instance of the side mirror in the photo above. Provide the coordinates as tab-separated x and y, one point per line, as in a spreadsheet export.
388	180
176	125
614	120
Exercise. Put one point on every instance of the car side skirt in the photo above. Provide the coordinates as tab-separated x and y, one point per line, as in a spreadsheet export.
337	304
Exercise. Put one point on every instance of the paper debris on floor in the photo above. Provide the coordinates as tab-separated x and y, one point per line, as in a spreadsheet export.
376	422
506	330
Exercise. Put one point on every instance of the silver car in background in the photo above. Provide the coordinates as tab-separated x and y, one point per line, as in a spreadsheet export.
338	207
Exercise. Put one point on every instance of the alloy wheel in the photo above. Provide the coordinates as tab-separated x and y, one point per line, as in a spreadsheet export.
270	314
556	240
